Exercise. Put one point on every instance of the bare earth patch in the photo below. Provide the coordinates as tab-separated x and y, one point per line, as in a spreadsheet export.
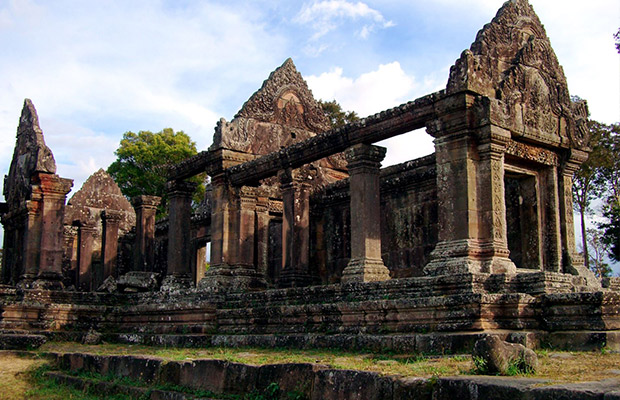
13	379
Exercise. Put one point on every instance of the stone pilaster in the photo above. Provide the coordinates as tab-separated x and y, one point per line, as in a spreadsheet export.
179	272
295	231
111	220
366	264
144	247
492	234
53	195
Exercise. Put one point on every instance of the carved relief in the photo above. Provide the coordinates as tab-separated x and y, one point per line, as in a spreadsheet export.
532	153
497	179
512	61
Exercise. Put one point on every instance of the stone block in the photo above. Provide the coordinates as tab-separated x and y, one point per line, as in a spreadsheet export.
351	385
219	376
21	341
138	281
413	388
296	378
499	356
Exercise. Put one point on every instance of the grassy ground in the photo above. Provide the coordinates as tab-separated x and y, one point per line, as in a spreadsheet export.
556	366
17	381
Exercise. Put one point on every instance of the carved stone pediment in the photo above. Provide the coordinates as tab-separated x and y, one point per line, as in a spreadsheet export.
282	112
512	61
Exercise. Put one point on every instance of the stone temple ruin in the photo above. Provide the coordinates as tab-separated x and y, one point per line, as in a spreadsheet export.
312	243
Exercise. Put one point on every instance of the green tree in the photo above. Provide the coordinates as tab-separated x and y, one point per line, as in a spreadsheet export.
610	177
600	249
144	160
336	115
587	183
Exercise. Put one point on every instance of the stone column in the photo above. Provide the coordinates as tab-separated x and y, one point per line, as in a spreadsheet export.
262	234
470	190
492	226
144	248
232	238
295	231
70	256
54	192
366	264
571	260
86	238
201	256
179	274
111	220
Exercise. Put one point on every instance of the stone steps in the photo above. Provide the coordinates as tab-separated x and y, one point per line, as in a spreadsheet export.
151	376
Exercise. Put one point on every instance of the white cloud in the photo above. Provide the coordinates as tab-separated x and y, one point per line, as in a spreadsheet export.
326	16
372	92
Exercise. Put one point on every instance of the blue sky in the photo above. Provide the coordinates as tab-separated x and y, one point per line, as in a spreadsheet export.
96	69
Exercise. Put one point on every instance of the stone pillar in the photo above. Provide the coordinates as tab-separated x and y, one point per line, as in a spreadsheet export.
201	256
470	190
295	231
232	238
572	262
144	248
366	264
53	195
262	234
179	274
70	256
111	220
86	238
223	222
492	226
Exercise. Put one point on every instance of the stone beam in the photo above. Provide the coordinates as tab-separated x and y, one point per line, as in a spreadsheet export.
396	121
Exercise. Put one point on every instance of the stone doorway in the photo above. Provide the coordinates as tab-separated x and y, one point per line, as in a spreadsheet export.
523	219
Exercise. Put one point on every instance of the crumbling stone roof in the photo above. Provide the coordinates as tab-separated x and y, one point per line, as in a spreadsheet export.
99	193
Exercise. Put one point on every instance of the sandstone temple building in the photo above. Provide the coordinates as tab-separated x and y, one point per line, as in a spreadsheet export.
312	243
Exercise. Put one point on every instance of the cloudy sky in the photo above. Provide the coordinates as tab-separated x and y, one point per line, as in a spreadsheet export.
96	69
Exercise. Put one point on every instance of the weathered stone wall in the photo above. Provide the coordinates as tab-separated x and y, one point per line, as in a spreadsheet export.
408	222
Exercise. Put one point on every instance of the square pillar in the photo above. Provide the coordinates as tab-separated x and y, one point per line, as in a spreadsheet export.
53	195
366	264
144	247
232	238
86	239
111	220
295	231
262	234
179	273
572	262
470	190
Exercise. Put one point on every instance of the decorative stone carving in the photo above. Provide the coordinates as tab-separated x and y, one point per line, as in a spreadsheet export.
512	61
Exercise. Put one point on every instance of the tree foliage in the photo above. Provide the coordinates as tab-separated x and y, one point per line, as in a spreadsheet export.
144	160
588	181
599	178
600	249
333	110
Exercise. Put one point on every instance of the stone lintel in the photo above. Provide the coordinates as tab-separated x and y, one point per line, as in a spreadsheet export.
180	188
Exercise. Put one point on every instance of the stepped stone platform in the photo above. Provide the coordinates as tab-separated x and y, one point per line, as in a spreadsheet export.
444	314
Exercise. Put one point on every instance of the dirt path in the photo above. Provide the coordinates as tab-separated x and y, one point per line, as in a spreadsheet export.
13	383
